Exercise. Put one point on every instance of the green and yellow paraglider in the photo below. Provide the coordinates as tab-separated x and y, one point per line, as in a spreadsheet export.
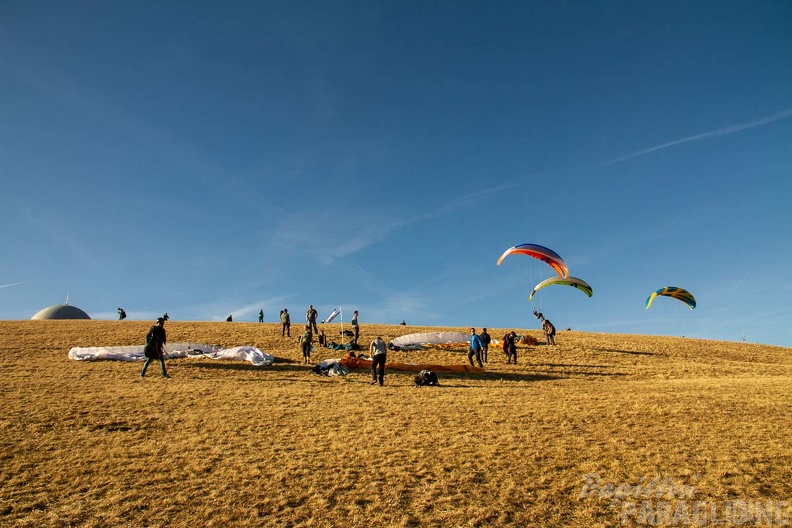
675	293
580	284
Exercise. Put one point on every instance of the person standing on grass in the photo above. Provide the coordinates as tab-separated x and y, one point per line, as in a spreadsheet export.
121	314
261	315
510	347
285	323
475	348
155	347
310	318
305	344
485	341
549	331
378	350
355	327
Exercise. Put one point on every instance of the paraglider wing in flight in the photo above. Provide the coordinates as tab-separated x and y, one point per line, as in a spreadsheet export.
568	281
542	253
677	293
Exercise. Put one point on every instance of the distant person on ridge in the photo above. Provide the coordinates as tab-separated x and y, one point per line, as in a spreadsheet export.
229	319
165	317
549	331
121	314
285	323
310	318
485	341
261	315
305	344
378	350
475	348
355	327
155	347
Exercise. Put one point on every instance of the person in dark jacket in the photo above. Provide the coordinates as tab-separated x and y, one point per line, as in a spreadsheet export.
485	341
510	347
121	314
155	347
261	315
355	327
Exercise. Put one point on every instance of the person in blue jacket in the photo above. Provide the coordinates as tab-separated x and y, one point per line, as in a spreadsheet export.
475	348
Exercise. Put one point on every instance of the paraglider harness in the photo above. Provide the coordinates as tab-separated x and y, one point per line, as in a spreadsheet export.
426	378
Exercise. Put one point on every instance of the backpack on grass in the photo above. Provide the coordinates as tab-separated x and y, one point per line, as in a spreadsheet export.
426	378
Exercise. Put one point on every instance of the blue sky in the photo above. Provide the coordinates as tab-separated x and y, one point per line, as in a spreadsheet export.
207	160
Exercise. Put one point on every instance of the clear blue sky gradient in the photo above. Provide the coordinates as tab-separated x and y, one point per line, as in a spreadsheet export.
207	159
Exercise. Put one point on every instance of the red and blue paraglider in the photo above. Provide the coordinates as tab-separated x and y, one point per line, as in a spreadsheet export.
542	253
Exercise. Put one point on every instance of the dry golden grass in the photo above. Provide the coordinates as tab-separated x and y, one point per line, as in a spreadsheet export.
227	444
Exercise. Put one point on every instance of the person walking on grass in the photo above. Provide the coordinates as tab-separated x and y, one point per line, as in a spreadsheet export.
378	350
485	341
305	344
155	347
285	323
475	348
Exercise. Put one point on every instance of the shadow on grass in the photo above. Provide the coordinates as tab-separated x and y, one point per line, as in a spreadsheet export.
570	365
458	379
289	366
633	352
586	374
278	366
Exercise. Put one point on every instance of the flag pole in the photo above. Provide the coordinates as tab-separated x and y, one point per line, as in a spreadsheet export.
341	310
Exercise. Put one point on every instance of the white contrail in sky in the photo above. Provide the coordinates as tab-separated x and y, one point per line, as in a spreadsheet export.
706	135
16	283
744	277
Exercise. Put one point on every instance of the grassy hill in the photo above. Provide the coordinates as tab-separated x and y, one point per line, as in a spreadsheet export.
662	420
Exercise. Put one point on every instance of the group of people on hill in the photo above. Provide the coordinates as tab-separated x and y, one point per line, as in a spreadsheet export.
478	343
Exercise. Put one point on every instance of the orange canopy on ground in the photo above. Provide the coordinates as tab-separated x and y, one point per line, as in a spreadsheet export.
356	362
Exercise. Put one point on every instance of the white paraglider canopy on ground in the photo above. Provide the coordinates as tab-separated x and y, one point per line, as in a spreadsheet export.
173	350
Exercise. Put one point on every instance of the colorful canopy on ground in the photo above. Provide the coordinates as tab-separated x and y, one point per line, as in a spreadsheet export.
356	362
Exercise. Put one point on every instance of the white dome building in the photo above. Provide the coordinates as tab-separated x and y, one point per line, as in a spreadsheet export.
61	311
